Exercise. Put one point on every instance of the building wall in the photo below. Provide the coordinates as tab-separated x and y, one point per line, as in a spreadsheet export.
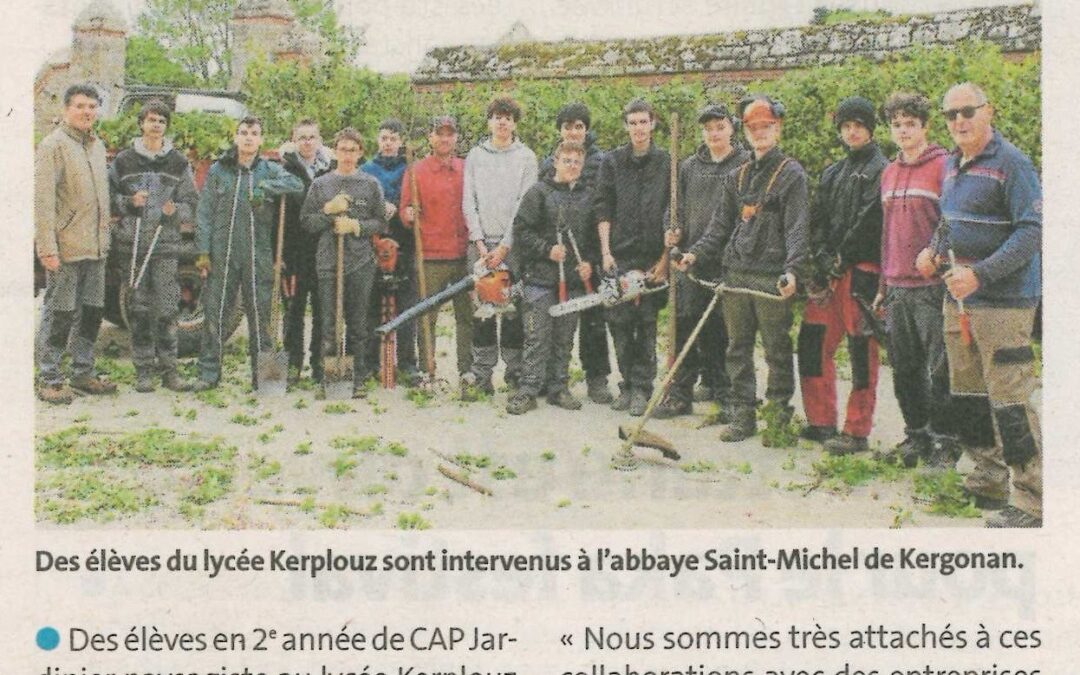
736	56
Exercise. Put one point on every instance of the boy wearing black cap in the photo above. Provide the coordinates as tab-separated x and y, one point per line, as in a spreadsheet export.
701	180
845	230
758	233
573	121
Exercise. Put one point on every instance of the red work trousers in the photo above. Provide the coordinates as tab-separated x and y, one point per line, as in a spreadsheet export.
819	337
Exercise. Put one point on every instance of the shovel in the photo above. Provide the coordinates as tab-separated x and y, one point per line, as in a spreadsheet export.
273	366
338	369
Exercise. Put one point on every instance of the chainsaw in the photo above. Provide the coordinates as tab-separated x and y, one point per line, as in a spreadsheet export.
614	290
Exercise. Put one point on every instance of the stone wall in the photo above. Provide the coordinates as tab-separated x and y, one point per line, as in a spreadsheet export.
737	55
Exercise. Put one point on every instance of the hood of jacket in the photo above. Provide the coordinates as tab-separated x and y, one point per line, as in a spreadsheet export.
488	145
931	152
139	146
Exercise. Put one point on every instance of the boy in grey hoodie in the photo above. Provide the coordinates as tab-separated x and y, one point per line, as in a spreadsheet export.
498	171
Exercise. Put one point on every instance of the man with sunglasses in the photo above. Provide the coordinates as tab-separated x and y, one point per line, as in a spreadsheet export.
991	206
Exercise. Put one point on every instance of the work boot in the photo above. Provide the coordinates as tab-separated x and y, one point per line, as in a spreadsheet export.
743	424
639	402
473	390
1011	516
817	434
512	383
144	381
171	380
564	399
598	390
704	392
57	394
846	444
672	406
88	384
204	385
622	401
984	502
941	453
520	403
909	450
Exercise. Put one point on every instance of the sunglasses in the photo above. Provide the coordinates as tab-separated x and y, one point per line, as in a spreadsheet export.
967	112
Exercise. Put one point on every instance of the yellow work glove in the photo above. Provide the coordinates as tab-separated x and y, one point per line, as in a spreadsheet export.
345	225
202	262
339	204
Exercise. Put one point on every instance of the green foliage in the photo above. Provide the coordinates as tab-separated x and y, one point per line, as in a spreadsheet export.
811	96
152	447
412	521
503	473
467	460
851	470
244	420
194	34
700	466
147	62
339	408
781	428
209	484
72	496
198	134
333	514
824	16
263	468
943	492
333	93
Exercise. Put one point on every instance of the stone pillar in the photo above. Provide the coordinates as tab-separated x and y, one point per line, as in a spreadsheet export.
258	27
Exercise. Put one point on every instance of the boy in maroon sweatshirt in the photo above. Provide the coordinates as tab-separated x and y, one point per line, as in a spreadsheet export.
910	189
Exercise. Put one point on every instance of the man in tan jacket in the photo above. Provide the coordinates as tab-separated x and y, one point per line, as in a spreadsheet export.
71	220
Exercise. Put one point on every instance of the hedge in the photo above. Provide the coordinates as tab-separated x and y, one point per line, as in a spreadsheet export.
338	96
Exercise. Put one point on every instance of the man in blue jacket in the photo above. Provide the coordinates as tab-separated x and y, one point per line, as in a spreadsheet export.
991	204
234	224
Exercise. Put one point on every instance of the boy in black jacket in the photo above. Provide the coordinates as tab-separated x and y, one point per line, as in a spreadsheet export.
153	191
631	198
845	231
555	209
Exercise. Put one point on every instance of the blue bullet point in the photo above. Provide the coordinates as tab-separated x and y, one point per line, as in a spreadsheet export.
48	638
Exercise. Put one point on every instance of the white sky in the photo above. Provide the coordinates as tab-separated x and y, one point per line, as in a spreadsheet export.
398	39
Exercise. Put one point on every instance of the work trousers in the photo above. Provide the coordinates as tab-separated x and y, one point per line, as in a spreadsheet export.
438	274
633	330
998	363
75	286
549	342
491	343
823	326
917	355
744	316
707	358
219	295
154	306
356	315
307	290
